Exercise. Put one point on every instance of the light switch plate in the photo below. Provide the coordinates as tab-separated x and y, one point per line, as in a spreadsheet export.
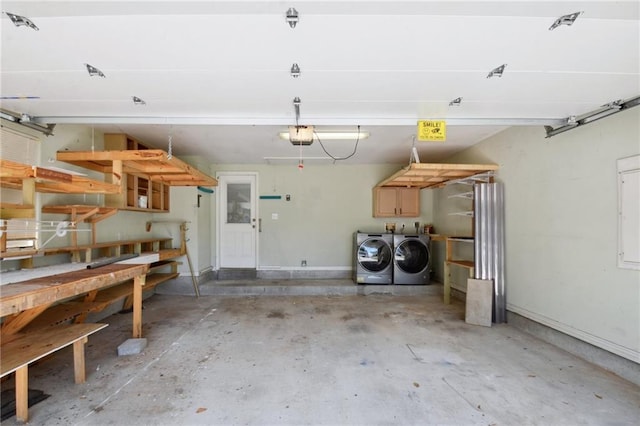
274	216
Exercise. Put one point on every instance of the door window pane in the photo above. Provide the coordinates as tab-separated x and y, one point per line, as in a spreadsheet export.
238	203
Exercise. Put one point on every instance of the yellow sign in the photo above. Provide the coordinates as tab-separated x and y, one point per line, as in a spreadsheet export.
432	130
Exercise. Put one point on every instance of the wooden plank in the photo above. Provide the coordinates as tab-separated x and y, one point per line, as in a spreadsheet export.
434	175
25	295
105	156
462	263
11	169
22	393
15	175
17	211
152	164
89	214
78	360
166	254
36	345
52	175
151	281
78	185
59	314
72	310
17	322
138	283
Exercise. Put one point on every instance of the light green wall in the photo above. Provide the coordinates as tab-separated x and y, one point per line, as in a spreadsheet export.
561	228
328	204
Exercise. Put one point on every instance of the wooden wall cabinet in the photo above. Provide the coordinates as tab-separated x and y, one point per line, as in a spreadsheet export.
396	202
138	192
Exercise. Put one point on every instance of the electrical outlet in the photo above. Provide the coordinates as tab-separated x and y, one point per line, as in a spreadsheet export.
303	263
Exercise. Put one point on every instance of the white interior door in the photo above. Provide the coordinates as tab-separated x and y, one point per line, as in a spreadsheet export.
237	220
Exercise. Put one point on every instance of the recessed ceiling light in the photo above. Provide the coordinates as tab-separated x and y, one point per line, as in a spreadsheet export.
565	20
21	21
295	71
497	72
292	17
93	71
456	102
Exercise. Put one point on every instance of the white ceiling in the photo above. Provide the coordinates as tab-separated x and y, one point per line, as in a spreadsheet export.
215	75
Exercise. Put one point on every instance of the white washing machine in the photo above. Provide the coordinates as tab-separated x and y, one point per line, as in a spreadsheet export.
373	258
411	259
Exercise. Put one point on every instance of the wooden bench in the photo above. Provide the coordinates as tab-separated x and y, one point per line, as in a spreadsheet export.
76	310
23	349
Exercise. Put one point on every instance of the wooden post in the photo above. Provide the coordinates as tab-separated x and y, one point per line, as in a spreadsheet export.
447	283
183	238
3	237
22	394
78	360
138	283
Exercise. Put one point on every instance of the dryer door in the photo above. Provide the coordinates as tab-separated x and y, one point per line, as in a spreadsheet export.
374	255
412	256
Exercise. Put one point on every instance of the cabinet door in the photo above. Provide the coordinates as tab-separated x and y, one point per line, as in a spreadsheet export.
409	202
384	202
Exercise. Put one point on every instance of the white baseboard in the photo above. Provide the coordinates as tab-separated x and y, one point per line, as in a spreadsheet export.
304	268
612	347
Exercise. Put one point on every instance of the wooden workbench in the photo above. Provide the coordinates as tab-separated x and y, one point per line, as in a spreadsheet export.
23	301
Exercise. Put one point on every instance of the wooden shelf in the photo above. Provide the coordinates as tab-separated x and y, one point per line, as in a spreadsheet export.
152	164
463	263
13	174
16	211
82	213
434	175
449	261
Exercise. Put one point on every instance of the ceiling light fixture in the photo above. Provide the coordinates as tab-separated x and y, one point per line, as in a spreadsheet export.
497	72
94	72
295	71
19	21
456	102
292	17
565	20
138	101
329	136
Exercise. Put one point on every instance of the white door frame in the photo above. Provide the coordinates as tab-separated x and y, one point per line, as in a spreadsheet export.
219	217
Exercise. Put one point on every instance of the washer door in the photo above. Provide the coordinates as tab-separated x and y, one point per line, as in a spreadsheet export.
374	255
412	256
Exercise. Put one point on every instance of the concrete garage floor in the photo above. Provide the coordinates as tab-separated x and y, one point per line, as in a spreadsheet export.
333	360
